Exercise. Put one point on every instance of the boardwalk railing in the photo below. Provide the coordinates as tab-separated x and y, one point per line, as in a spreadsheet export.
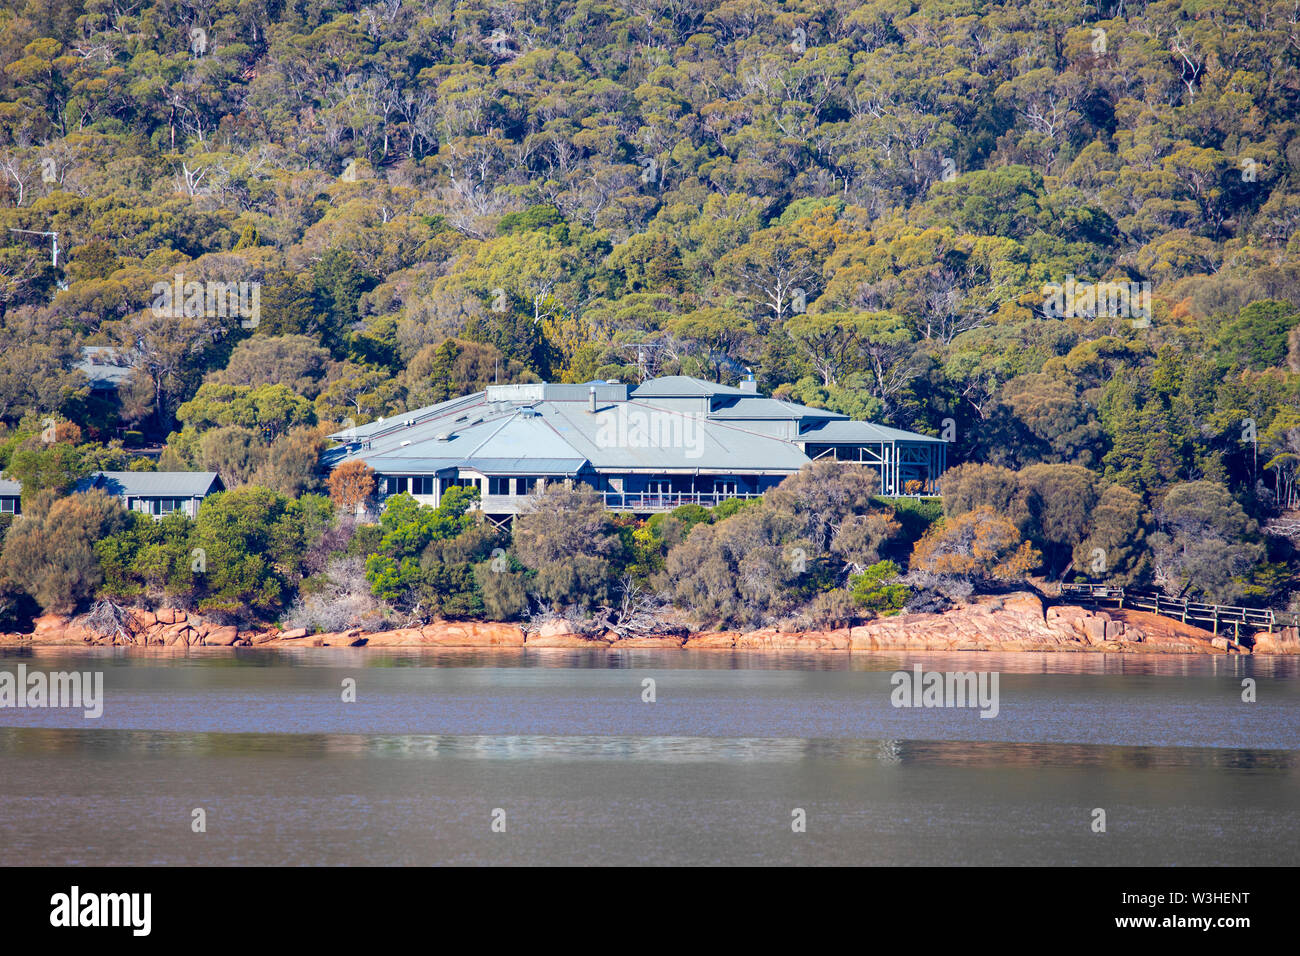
1189	612
668	500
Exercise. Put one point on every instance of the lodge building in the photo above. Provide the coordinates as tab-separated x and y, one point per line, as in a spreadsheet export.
670	441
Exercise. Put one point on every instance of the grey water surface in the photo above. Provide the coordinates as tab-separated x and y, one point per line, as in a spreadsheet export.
560	749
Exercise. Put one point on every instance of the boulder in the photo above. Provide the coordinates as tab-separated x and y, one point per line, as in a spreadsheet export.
352	638
558	632
180	627
220	636
643	640
49	622
771	639
561	633
706	640
472	634
401	637
1283	641
557	627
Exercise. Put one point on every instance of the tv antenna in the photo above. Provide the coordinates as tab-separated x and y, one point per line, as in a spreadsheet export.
642	350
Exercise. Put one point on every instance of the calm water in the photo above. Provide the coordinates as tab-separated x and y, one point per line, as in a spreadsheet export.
586	772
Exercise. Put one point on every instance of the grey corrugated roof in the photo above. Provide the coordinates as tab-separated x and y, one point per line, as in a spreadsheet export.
362	432
504	436
639	436
104	365
178	484
396	465
527	466
400	465
557	392
682	386
756	408
530	434
10	488
847	431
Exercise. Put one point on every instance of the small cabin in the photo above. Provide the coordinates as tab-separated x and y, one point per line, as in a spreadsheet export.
156	493
10	497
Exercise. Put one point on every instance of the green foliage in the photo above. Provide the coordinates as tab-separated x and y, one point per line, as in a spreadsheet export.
429	558
267	410
253	541
877	588
1257	338
765	562
1205	543
915	515
55	467
572	546
866	223
149	560
49	552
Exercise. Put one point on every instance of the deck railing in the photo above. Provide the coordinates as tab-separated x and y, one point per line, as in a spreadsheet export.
668	500
1183	609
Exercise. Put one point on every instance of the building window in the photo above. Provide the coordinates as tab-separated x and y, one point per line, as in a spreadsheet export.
423	485
9	506
459	483
165	506
498	486
526	485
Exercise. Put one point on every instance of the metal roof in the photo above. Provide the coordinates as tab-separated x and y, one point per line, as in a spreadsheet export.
550	429
105	366
177	484
637	435
858	432
9	488
557	392
683	386
756	408
381	425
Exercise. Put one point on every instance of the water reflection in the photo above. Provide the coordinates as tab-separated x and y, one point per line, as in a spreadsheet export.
1155	665
653	749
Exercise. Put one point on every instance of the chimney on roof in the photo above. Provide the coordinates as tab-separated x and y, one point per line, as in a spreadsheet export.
591	399
747	384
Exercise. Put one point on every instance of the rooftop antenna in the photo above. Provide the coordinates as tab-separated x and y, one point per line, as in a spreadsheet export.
641	349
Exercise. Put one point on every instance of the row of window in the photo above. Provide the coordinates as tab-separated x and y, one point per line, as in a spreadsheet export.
430	485
158	506
513	486
149	506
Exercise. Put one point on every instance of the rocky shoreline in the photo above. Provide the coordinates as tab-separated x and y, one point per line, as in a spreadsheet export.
1014	622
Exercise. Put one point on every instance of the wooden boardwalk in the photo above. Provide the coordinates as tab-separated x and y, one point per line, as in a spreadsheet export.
1189	612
